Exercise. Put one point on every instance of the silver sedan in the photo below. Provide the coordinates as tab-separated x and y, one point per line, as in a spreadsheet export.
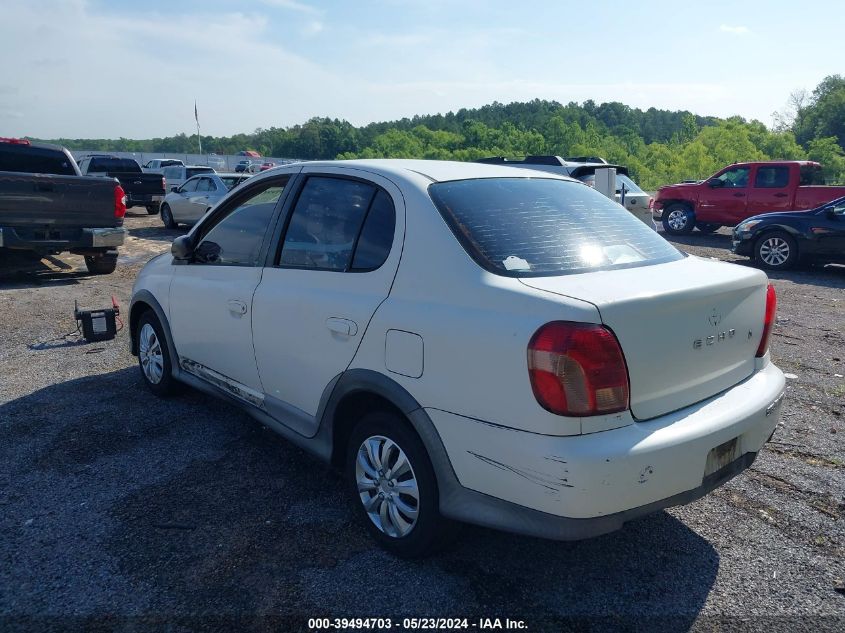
192	200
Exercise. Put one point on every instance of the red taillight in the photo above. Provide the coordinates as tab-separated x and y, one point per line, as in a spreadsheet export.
119	202
14	141
651	203
768	320
578	369
163	184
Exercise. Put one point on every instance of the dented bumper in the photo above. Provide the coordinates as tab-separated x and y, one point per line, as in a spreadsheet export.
581	486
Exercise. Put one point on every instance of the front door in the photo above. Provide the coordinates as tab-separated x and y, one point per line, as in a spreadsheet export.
830	229
725	199
180	204
211	296
335	264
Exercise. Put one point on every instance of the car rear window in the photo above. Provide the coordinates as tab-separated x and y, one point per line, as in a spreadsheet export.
113	164
193	171
533	227
35	160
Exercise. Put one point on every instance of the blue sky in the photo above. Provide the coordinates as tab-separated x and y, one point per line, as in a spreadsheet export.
97	68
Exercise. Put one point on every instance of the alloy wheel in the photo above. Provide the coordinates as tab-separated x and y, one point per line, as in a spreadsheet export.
387	486
150	354
678	219
774	251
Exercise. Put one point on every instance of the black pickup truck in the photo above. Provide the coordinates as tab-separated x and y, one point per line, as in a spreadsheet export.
142	189
48	207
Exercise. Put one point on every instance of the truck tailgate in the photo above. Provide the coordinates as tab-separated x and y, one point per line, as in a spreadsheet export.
47	200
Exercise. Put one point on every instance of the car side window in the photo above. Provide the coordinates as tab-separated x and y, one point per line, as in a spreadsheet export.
204	184
736	177
171	173
237	236
189	186
377	234
776	177
325	223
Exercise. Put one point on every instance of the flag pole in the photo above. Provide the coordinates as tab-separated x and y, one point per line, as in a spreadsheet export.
197	119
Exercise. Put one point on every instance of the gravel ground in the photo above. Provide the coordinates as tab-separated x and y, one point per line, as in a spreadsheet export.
120	511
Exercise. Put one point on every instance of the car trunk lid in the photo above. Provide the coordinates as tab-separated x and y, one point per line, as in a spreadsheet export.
689	329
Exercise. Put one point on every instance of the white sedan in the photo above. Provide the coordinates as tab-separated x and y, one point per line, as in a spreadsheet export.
467	343
188	203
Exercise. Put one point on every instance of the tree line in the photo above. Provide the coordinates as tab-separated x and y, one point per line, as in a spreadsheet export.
658	146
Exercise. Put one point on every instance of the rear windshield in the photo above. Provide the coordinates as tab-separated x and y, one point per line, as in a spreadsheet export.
193	171
34	160
113	164
533	227
231	181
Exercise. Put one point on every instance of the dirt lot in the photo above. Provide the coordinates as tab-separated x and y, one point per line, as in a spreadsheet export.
122	511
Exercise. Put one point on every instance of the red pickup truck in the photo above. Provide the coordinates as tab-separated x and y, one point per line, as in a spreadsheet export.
740	191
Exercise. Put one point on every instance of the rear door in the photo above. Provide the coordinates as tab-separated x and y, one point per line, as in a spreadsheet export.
211	296
771	190
336	260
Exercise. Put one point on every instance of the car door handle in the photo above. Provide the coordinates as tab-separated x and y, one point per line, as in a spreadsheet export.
44	186
237	307
342	326
781	195
739	195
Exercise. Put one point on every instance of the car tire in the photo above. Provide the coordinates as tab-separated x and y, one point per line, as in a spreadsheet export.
399	523
103	264
152	209
167	217
707	227
678	219
154	359
776	250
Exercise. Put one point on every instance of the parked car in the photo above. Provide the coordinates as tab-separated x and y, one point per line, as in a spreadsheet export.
267	165
778	241
196	196
48	207
628	193
467	344
157	164
245	166
176	175
740	191
249	152
142	190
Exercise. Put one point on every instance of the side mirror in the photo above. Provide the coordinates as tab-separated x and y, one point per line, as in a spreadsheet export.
182	248
836	212
715	183
174	189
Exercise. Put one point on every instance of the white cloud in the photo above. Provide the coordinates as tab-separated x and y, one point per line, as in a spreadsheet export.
312	28
734	30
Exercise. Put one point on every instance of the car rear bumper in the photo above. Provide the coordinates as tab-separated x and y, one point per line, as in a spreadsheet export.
581	486
143	199
61	239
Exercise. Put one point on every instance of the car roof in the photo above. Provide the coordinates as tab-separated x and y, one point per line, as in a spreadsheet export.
436	170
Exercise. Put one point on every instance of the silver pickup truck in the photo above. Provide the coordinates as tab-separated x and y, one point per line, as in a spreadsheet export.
46	206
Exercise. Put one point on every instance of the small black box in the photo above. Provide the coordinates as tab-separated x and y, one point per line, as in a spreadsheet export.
98	325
